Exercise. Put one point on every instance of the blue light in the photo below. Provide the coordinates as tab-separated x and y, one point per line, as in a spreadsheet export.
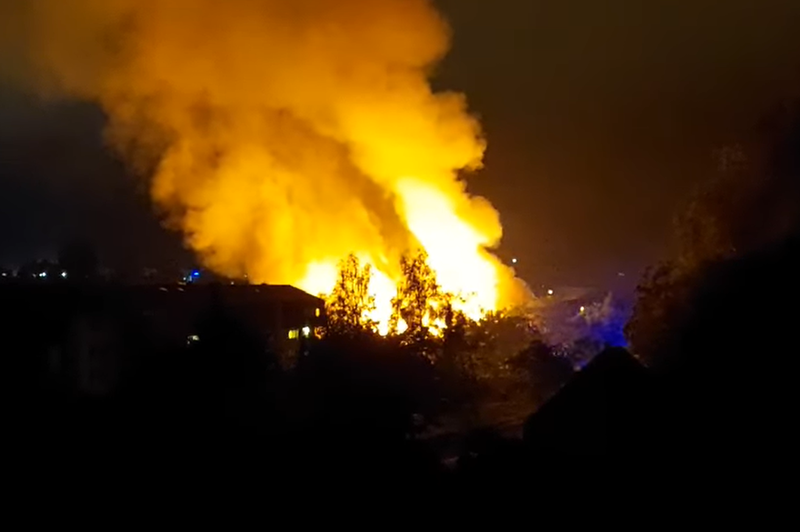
611	329
195	274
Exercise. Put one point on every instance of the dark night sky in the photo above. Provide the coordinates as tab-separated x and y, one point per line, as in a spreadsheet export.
58	182
600	116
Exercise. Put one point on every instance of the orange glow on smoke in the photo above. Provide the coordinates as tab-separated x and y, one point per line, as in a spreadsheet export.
282	135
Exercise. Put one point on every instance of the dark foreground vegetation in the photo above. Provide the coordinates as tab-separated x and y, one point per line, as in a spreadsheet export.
91	386
360	406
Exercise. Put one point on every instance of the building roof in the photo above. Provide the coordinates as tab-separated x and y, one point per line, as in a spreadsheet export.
275	292
156	295
598	409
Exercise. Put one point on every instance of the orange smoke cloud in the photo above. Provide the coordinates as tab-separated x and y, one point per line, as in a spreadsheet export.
282	135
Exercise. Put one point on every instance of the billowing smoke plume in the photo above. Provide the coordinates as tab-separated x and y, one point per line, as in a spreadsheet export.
281	135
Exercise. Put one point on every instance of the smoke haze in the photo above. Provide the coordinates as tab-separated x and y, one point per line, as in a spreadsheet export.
279	135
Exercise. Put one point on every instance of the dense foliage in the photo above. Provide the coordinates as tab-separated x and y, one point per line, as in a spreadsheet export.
488	372
751	204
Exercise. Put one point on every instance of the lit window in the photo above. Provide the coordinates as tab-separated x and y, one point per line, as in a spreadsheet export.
317	312
192	339
306	331
294	334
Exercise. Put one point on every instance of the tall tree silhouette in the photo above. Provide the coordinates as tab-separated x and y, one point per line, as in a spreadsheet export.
751	203
350	301
420	303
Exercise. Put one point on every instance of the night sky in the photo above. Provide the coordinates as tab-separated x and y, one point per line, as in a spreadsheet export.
600	117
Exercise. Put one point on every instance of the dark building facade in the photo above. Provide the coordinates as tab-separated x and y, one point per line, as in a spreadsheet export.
85	337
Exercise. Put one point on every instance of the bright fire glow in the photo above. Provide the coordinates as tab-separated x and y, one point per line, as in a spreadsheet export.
456	254
282	135
474	303
454	247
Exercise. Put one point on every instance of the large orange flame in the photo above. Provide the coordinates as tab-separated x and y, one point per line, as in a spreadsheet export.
456	252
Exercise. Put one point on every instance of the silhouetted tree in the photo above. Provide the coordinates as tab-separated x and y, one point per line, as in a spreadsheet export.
478	369
546	370
350	301
750	204
421	310
726	358
417	296
473	361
